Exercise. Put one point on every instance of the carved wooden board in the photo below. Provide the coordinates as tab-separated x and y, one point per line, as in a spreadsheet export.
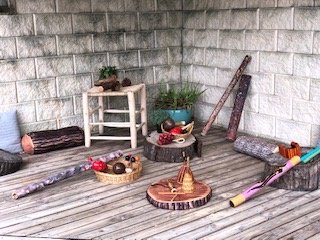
178	200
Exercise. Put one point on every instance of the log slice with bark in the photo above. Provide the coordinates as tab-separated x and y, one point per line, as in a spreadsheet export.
303	177
160	196
172	152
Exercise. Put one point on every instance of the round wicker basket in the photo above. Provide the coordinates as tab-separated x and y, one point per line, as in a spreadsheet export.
188	128
109	177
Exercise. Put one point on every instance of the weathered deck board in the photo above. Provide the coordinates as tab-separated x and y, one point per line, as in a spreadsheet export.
83	208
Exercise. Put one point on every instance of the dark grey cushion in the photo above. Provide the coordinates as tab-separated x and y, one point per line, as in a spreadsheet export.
9	162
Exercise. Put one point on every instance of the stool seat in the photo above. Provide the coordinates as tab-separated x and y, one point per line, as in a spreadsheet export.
129	92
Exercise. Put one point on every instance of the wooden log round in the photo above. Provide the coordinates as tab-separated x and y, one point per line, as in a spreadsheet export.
172	152
49	140
303	177
160	196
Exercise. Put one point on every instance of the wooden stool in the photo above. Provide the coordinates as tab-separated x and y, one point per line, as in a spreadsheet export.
101	123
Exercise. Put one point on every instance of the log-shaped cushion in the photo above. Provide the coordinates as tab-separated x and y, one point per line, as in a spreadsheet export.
254	146
50	140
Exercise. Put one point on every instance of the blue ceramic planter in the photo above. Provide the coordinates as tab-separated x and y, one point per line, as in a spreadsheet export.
180	115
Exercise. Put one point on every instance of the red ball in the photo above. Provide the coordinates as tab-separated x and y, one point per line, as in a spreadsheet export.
99	165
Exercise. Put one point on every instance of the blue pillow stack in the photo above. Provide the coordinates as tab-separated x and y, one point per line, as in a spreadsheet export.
10	139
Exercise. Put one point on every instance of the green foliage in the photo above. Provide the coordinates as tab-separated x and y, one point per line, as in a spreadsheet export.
108	71
179	97
157	116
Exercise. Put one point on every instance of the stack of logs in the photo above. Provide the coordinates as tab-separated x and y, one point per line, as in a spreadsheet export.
112	83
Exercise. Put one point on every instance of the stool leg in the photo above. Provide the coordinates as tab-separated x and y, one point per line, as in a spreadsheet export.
101	117
143	102
132	116
86	126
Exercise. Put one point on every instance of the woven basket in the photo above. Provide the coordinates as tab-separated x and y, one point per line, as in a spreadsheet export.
9	163
188	127
109	177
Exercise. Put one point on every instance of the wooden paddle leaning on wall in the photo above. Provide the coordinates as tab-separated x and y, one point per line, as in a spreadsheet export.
226	94
239	102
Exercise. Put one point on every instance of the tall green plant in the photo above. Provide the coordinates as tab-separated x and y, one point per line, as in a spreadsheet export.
157	116
177	97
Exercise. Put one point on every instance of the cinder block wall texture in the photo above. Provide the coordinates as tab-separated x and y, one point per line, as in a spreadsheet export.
51	51
283	38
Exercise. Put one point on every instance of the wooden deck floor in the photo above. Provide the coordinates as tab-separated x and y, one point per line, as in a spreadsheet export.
83	208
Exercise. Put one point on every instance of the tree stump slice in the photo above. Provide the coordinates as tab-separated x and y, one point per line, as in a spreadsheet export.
172	201
172	152
302	177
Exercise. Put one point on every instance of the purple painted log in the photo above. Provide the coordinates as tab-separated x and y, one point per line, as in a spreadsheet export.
255	147
30	188
226	94
238	107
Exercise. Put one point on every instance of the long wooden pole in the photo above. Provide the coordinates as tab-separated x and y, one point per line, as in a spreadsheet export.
226	94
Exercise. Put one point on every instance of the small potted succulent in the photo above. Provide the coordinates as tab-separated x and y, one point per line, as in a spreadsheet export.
108	76
108	72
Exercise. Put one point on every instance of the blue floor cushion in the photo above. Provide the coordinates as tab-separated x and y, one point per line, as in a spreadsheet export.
10	139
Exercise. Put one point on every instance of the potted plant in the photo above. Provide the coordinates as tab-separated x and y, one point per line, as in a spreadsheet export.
156	117
108	72
108	76
178	101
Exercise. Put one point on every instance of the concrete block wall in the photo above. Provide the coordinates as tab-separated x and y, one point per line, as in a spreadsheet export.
282	36
51	51
3	3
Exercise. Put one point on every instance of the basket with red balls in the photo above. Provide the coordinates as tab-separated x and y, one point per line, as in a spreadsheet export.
123	170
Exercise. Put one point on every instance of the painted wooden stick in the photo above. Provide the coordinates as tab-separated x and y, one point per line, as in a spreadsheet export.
249	192
30	188
238	107
226	94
